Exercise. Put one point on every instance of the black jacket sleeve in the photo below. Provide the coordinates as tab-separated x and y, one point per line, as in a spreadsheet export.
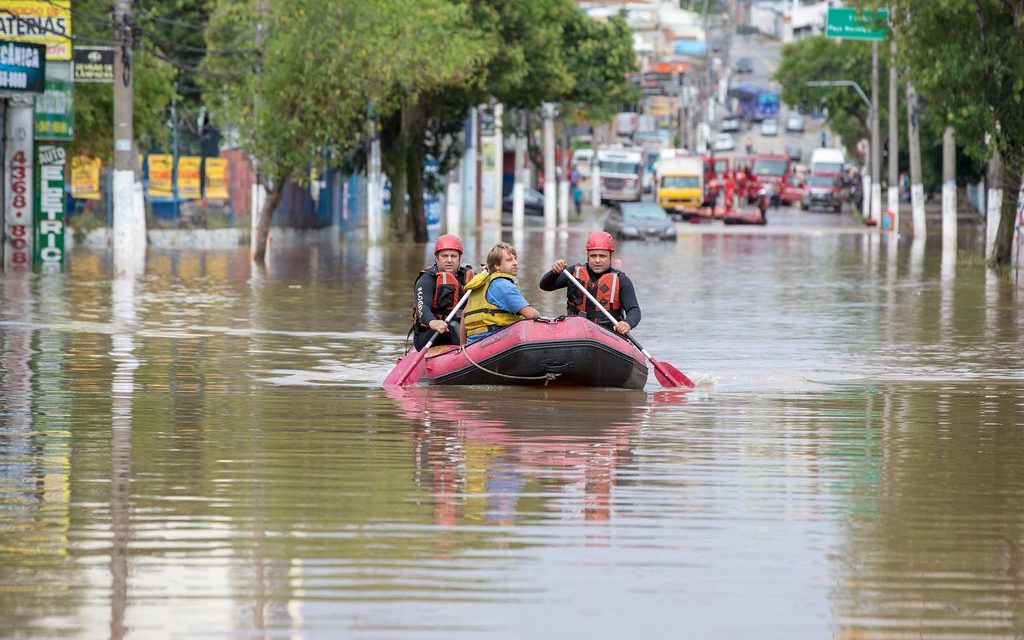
550	282
627	295
423	295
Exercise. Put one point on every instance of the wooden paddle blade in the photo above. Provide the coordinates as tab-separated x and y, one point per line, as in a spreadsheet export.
407	371
669	376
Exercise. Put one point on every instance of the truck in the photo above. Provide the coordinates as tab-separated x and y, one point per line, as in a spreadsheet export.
828	160
770	168
622	174
681	186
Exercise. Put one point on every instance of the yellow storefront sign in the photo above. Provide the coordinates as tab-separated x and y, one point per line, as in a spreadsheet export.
217	179
161	169
41	21
189	182
85	178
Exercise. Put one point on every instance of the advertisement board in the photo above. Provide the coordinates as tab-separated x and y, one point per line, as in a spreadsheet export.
46	22
190	184
49	223
161	170
85	178
18	214
216	172
22	67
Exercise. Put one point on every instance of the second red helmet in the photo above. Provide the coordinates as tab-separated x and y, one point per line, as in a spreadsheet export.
601	240
446	242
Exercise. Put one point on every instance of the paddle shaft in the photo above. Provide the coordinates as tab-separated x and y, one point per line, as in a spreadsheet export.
666	374
451	315
606	313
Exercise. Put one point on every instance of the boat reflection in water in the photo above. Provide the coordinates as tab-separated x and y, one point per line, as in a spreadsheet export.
504	455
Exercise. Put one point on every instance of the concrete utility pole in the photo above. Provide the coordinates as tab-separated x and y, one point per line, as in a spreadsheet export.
916	188
894	142
550	182
994	202
127	220
876	146
949	190
519	186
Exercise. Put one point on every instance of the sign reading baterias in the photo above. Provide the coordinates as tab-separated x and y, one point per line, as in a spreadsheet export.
94	64
45	22
22	67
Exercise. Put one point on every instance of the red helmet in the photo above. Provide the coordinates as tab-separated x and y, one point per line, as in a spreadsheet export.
447	241
600	240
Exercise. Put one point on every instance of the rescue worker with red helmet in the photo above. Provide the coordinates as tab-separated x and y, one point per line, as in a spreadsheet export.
438	289
612	288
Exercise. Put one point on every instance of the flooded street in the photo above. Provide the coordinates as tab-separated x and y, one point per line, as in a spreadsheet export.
206	451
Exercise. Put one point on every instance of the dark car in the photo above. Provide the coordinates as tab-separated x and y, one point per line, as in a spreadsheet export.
639	220
744	65
533	203
794	152
824	190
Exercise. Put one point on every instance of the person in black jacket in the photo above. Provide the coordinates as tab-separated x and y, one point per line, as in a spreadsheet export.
612	288
438	289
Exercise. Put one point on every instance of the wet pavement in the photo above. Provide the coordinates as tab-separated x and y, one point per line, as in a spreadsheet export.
205	451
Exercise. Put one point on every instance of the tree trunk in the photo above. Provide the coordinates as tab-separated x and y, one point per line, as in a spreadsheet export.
259	253
1012	170
414	174
415	126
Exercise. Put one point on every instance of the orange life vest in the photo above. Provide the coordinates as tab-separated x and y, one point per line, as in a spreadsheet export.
448	290
605	289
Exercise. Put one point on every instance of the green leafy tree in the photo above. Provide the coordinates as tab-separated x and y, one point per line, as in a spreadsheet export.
301	85
967	58
600	57
94	103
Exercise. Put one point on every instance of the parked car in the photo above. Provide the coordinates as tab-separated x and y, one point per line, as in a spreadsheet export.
795	123
639	220
724	142
824	190
769	127
795	152
533	203
744	65
730	123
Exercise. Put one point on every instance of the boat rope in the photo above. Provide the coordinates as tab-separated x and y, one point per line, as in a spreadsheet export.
547	377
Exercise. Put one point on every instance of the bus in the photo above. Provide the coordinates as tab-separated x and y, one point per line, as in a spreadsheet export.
754	103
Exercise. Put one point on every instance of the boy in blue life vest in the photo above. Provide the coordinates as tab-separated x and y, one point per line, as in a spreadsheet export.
438	289
612	288
496	301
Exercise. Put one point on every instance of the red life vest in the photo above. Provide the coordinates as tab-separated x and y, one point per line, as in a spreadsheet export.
605	289
448	290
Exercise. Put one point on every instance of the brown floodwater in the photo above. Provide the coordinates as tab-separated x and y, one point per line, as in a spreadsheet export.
205	451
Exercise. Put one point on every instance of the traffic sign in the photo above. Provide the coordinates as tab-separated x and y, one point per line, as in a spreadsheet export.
852	24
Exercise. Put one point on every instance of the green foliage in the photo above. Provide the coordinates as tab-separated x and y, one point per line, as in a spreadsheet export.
967	59
94	110
599	55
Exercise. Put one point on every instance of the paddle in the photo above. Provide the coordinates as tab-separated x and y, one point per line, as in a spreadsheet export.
410	368
666	374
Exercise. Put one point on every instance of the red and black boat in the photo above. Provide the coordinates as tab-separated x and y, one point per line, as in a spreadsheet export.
567	351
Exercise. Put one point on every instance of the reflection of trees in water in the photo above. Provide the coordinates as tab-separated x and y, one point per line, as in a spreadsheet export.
497	455
933	528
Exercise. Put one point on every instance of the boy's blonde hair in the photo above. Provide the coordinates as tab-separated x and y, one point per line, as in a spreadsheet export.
495	255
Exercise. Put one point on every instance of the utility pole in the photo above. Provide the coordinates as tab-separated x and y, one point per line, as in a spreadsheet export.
550	182
916	188
994	200
894	142
127	220
949	190
876	147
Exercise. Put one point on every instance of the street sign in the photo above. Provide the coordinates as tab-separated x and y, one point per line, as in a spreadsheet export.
851	24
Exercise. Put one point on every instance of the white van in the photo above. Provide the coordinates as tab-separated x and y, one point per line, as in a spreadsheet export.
824	160
583	159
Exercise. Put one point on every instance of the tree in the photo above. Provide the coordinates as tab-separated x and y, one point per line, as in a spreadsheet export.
967	58
600	57
94	103
301	84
